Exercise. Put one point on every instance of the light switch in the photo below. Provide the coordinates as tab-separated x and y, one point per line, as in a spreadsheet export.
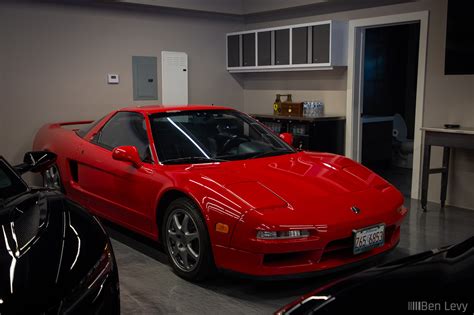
112	78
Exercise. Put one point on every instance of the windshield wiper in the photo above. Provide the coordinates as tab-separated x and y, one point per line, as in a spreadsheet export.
271	153
192	159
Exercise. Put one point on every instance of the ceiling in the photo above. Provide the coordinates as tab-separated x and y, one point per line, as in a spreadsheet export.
253	7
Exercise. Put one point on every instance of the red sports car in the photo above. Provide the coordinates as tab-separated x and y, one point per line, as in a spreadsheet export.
220	190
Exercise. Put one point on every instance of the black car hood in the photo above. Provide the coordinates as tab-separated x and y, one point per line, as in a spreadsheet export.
441	276
42	242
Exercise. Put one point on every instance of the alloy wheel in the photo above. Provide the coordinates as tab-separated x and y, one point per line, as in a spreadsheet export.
183	240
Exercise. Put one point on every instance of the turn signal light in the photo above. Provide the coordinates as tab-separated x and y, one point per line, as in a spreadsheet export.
402	210
222	228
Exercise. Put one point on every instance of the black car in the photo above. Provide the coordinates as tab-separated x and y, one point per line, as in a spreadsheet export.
55	257
439	281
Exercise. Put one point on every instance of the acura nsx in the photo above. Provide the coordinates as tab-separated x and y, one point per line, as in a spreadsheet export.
221	191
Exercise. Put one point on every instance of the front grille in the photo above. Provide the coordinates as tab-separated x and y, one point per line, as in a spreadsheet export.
342	248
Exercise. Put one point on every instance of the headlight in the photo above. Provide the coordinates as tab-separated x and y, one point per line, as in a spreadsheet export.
270	235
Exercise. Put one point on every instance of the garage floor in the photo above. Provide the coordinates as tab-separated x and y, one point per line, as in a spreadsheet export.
148	285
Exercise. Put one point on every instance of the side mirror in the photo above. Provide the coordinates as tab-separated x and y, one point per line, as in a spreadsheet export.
287	137
127	153
36	161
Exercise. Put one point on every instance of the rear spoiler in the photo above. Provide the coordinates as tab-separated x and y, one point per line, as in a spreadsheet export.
69	123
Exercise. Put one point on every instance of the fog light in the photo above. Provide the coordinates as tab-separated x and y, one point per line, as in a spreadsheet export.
282	234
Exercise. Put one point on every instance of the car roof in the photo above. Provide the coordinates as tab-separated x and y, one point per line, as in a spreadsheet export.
152	109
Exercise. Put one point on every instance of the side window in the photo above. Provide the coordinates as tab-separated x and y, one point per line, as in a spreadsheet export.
125	128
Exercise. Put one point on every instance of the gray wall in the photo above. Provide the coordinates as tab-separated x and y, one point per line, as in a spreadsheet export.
448	99
56	59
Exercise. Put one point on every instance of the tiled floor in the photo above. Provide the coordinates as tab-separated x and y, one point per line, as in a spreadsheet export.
148	285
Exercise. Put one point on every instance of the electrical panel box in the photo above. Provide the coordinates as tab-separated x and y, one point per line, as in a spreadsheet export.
174	78
144	78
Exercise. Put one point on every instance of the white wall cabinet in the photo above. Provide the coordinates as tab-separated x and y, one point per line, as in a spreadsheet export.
310	46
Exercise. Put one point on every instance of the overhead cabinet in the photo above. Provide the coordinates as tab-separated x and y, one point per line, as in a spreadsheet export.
311	46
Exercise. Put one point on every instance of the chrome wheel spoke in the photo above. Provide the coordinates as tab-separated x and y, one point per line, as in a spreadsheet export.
172	235
184	225
183	254
190	236
191	252
175	254
176	223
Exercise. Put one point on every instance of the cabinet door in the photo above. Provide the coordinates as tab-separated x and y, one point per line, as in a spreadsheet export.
282	47
321	43
233	51
264	48
248	49
300	45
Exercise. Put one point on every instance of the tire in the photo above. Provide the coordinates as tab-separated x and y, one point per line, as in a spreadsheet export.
52	178
186	241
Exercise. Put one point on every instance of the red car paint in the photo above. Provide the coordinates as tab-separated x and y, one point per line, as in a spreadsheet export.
303	190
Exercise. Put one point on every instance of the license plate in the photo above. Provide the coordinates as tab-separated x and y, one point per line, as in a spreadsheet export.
368	238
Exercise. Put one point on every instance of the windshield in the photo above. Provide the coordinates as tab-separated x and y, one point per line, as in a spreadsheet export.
10	184
212	135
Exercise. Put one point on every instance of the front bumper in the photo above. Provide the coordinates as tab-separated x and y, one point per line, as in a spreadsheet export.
293	263
295	257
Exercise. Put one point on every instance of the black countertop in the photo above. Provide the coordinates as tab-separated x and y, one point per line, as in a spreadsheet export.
299	118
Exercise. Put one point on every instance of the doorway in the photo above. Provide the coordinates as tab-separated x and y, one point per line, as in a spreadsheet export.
389	77
383	89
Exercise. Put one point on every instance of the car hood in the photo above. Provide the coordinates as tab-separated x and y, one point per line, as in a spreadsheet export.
303	181
40	251
443	274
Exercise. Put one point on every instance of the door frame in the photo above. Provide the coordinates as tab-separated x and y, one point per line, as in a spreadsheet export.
353	146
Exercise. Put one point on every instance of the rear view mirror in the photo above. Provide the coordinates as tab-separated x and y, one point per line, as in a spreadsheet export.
127	153
287	137
36	161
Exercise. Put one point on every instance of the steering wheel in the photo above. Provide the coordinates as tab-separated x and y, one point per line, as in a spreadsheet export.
234	141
